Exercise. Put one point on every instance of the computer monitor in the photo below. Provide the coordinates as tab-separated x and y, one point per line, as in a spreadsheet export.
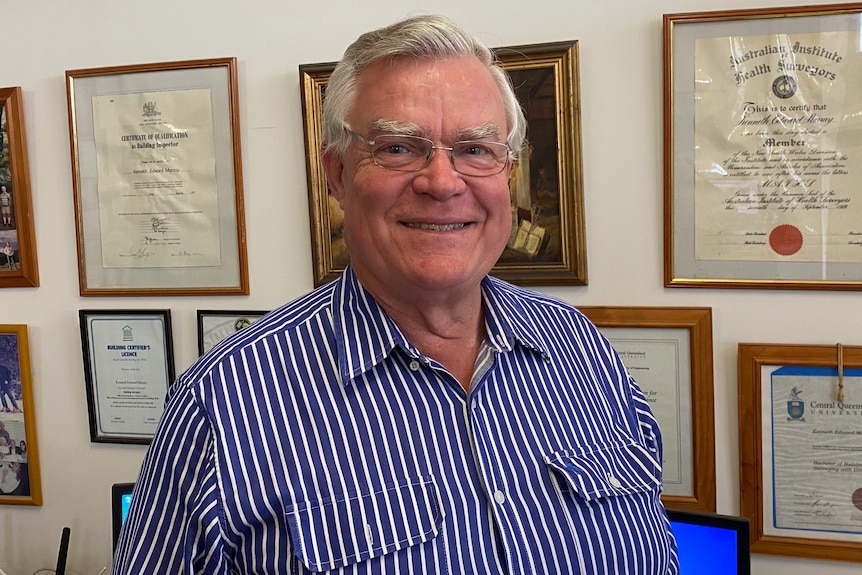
711	544
121	498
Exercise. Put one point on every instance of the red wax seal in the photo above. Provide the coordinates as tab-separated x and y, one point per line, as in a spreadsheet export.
785	240
857	499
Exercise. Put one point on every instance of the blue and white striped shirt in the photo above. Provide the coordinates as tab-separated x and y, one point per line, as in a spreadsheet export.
319	440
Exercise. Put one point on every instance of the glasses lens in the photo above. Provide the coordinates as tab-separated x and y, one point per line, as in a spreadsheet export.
479	158
407	153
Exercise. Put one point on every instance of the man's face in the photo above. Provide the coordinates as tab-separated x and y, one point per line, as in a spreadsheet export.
434	229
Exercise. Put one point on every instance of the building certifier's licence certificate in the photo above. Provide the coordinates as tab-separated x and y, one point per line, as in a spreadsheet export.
158	197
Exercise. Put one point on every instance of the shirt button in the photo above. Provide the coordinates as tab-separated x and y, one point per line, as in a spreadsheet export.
499	497
615	483
369	535
414	365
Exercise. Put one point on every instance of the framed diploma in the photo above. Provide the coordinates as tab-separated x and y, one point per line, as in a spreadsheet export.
547	244
762	148
19	454
800	449
157	175
128	367
18	265
215	325
668	350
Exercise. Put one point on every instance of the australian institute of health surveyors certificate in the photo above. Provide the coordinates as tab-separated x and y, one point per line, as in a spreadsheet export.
778	138
812	453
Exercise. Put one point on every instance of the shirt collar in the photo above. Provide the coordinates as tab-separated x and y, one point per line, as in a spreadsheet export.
365	334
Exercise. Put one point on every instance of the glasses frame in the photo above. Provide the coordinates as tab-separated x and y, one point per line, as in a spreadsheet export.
430	155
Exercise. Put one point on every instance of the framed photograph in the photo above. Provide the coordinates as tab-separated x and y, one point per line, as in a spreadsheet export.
20	482
547	245
214	325
762	154
668	350
128	367
800	440
157	174
18	265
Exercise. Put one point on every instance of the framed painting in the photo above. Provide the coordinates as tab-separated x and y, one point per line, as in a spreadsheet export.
215	324
128	367
762	155
18	265
800	439
668	350
547	245
20	483
157	178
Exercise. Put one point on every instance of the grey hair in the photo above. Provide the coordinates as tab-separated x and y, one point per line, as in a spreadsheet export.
417	37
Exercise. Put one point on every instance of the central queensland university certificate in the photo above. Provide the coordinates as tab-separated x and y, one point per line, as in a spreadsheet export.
778	138
812	453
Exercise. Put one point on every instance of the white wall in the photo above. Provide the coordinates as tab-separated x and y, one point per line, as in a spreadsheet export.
621	98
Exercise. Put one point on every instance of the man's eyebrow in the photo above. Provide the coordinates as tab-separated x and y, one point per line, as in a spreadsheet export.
397	128
489	130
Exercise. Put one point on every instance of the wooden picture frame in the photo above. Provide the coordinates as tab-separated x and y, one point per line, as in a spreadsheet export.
761	157
20	481
799	446
18	261
649	339
157	178
216	324
548	241
128	368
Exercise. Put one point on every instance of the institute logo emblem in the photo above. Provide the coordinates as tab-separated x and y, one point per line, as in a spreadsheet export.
150	110
795	406
784	87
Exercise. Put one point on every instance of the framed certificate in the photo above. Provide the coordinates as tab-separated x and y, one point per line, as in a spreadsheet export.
128	367
800	449
547	244
215	325
762	154
668	351
20	482
157	175
18	265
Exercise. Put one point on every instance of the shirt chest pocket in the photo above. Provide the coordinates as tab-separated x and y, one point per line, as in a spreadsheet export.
338	531
611	471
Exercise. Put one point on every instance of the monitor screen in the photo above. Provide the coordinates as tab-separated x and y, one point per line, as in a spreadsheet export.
711	544
121	498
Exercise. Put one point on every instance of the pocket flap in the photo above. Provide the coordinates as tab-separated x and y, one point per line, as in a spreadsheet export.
343	530
607	472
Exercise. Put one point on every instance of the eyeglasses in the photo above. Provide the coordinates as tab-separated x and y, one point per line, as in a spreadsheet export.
412	154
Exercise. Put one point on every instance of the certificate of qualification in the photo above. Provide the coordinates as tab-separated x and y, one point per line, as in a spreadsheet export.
130	373
158	197
814	444
778	148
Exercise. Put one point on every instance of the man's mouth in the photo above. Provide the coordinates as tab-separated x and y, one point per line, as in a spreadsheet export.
436	227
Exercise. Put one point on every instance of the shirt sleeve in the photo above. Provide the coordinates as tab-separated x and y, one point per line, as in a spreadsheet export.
173	522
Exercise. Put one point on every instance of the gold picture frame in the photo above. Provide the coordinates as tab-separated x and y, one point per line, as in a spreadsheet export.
548	242
681	338
761	154
20	482
157	179
799	445
18	262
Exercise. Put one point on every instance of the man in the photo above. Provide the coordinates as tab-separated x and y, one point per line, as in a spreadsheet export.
414	416
5	206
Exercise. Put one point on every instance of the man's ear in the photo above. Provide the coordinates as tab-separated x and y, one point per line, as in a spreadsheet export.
333	166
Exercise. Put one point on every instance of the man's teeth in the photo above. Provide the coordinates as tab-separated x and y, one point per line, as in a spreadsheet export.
437	227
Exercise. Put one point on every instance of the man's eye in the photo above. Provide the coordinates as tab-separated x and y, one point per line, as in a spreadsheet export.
475	150
395	149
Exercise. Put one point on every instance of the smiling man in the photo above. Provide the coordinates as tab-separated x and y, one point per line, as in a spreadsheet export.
415	416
